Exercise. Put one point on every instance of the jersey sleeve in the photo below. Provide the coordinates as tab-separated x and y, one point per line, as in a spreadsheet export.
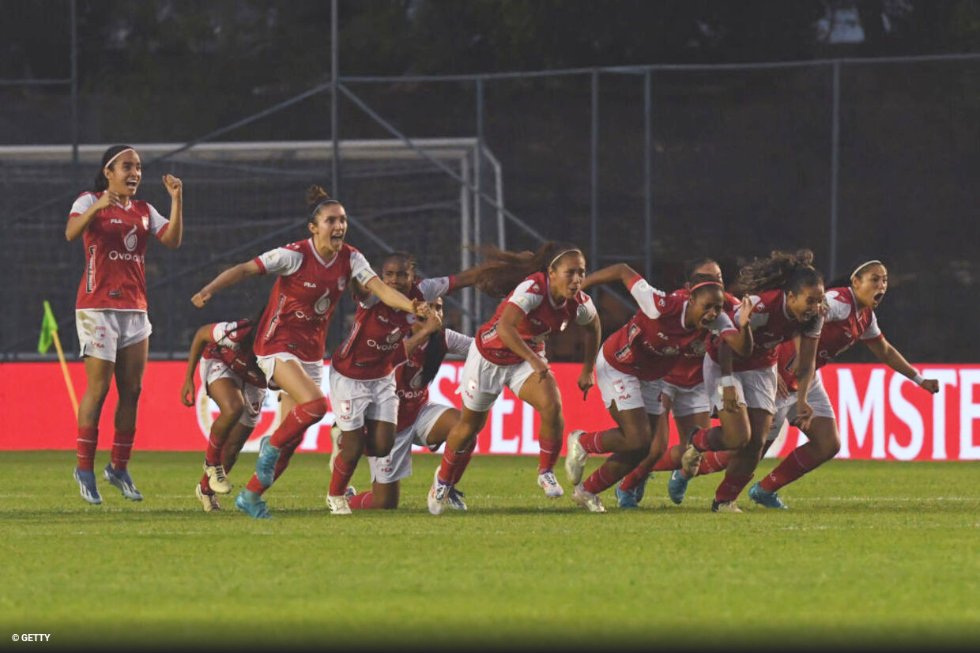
157	222
82	204
759	318
652	302
722	325
360	269
838	309
434	288
585	313
457	343
814	327
872	332
280	261
526	296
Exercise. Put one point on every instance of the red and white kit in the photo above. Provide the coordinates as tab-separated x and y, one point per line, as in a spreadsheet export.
362	383
755	375
416	413
635	359
225	359
302	301
111	301
490	364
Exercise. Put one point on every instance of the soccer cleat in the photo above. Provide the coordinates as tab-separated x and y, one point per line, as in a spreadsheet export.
549	484
217	480
584	498
690	461
335	434
86	485
632	498
265	466
123	481
339	505
455	499
724	506
767	499
677	486
575	458
438	495
252	505
208	501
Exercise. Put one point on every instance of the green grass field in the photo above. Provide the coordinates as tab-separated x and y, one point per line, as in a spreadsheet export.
870	555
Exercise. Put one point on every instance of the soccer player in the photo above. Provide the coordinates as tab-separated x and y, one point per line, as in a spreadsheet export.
232	378
110	309
786	294
543	294
362	372
850	318
421	421
630	369
291	338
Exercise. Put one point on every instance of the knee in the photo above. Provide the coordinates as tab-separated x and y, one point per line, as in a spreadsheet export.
311	412
552	414
129	392
641	440
233	410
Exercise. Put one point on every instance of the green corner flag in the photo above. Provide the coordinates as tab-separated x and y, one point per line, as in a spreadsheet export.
49	326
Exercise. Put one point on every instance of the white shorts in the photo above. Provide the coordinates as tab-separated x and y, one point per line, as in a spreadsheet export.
313	369
354	401
626	390
213	369
816	396
687	401
481	381
398	463
755	388
103	332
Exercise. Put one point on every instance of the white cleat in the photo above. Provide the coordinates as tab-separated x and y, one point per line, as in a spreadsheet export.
208	501
335	434
724	506
691	461
338	505
438	495
217	480
576	457
586	499
549	484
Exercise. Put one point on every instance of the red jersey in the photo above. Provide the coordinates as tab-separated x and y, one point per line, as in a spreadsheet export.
785	361
412	395
771	325
228	337
845	324
655	338
304	297
688	371
541	317
115	248
374	346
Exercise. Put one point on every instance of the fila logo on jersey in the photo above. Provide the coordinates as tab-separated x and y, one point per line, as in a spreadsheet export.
115	221
309	284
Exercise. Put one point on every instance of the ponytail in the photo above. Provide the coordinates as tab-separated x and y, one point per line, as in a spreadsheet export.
503	270
788	271
317	198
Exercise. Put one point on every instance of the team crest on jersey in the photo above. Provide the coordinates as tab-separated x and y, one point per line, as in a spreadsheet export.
341	283
394	336
146	222
346	409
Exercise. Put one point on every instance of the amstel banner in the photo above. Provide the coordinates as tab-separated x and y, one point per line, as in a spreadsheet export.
881	415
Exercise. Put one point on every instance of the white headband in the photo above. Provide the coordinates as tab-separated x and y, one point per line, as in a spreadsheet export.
117	155
567	251
864	265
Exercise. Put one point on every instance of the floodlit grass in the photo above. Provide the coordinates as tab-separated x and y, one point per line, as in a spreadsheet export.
869	555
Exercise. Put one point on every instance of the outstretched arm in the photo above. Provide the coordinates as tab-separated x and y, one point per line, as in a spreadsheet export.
593	336
175	228
201	339
742	342
432	324
229	277
893	358
611	274
394	298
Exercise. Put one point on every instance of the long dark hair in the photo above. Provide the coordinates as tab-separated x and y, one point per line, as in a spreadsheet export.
316	198
435	353
101	182
502	270
788	271
860	268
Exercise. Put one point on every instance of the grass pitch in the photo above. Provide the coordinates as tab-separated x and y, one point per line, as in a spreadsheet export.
870	555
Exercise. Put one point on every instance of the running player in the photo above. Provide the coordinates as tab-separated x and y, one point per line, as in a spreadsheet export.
232	378
362	372
110	309
543	294
850	318
630	370
421	421
291	339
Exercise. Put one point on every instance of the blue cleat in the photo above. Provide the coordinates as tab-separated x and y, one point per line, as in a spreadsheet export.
677	486
252	505
767	499
627	498
265	466
86	485
123	481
